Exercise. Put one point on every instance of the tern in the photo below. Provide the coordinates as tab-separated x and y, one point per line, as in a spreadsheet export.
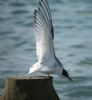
47	62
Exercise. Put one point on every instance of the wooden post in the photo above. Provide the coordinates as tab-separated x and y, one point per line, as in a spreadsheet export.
1	97
33	88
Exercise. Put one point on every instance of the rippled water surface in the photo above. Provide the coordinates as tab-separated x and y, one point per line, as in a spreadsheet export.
72	21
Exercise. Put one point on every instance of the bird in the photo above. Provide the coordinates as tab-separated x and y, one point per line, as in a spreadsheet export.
47	62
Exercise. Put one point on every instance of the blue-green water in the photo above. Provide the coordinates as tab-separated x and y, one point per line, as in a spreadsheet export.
72	21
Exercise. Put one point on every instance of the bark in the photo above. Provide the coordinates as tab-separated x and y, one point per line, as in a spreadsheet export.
33	88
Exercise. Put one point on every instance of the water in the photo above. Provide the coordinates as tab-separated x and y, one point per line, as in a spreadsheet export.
72	21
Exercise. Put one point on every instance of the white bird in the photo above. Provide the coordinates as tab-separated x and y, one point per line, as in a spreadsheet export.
47	63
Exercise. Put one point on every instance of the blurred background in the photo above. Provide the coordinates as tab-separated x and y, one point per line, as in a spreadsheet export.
72	20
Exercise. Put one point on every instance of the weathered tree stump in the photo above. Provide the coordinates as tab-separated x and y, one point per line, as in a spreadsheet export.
1	97
33	88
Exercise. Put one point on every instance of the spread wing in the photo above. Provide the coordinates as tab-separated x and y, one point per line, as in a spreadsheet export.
44	32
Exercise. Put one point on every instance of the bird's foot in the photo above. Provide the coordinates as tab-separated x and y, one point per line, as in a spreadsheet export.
48	75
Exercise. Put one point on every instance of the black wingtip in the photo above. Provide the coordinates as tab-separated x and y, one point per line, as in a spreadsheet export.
35	11
35	14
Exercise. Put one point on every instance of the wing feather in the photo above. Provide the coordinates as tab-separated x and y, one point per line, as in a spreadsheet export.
44	32
45	10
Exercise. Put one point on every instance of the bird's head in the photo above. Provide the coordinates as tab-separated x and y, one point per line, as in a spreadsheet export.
65	73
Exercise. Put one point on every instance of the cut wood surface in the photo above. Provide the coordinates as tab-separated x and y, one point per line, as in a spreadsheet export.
33	88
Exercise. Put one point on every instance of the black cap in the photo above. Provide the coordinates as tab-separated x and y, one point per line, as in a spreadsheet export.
65	73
